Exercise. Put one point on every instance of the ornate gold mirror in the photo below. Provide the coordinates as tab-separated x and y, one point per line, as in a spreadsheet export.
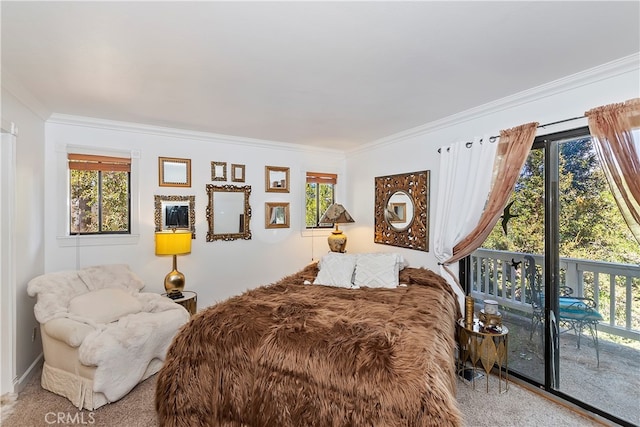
276	179
228	212
174	172
218	171
175	212
402	210
276	215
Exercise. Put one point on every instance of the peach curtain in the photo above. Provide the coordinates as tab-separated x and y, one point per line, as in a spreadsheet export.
616	132
512	152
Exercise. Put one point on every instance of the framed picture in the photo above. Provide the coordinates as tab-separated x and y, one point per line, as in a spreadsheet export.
175	212
174	172
218	171
276	215
237	173
276	179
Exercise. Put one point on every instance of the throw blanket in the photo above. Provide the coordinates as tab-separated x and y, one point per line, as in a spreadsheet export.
290	354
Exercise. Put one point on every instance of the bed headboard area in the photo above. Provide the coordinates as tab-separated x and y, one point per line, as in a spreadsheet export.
293	354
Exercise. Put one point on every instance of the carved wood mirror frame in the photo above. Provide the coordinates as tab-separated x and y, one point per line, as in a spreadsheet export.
416	234
243	219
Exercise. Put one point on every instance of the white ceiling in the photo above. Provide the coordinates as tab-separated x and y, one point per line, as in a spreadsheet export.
331	74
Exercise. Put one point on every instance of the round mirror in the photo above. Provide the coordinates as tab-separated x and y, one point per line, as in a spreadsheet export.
399	210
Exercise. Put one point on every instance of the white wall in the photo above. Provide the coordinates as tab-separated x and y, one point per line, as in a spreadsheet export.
28	230
215	270
416	149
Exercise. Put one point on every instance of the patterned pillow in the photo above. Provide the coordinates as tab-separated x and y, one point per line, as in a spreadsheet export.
336	269
378	270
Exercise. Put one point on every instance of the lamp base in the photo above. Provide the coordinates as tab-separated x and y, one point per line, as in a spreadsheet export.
337	241
174	284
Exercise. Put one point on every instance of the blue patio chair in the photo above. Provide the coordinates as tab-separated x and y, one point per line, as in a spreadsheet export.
574	313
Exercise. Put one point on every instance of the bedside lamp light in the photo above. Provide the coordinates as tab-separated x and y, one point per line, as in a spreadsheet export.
337	214
175	242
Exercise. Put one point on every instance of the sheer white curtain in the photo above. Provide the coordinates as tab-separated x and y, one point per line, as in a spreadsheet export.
466	172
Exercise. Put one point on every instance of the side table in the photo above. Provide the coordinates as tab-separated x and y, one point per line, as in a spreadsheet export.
189	301
484	348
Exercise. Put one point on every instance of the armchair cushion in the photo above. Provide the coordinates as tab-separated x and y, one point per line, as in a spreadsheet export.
104	305
69	331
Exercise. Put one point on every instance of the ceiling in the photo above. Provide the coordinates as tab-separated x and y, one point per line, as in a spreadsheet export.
329	74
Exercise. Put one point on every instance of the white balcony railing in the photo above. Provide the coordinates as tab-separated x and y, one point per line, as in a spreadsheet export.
500	275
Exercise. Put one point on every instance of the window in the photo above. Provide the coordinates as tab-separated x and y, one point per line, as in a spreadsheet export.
319	195
99	194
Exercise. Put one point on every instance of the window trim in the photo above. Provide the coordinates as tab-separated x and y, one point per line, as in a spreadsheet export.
63	236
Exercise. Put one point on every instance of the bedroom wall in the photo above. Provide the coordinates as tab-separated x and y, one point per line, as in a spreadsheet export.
27	224
416	149
215	270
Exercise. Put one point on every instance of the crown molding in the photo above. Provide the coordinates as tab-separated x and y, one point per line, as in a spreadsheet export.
114	125
608	70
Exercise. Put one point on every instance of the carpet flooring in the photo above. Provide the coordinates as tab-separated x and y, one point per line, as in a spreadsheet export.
519	406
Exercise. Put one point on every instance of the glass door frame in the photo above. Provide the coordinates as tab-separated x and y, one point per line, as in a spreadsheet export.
550	143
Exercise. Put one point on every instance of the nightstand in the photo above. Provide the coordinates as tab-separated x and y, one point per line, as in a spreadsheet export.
483	348
189	301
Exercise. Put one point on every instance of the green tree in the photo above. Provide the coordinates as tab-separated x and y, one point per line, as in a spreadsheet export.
590	224
99	201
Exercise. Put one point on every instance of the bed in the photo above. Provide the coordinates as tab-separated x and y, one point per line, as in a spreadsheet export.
296	354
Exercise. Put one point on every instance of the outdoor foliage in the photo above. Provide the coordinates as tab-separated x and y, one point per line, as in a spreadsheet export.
318	199
92	190
590	223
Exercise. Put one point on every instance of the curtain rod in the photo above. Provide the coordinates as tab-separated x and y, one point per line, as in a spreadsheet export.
494	138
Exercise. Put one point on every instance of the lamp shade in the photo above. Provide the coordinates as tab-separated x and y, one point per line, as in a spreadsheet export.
177	242
336	214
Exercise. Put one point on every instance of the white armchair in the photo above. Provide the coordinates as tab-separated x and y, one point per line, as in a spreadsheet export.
100	335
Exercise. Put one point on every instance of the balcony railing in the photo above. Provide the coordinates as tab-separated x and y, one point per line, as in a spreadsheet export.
501	276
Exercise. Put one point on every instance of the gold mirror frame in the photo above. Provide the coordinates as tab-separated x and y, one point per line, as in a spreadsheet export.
276	179
237	173
416	234
276	215
180	201
244	232
174	172
215	176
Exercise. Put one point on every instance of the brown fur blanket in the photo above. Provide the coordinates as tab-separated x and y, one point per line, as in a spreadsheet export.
289	354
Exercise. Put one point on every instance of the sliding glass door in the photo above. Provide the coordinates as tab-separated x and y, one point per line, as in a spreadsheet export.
565	271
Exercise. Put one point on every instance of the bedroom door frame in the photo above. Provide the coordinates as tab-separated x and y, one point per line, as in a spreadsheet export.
7	266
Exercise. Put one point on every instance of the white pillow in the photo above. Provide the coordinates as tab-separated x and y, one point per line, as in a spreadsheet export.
378	270
104	305
336	269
